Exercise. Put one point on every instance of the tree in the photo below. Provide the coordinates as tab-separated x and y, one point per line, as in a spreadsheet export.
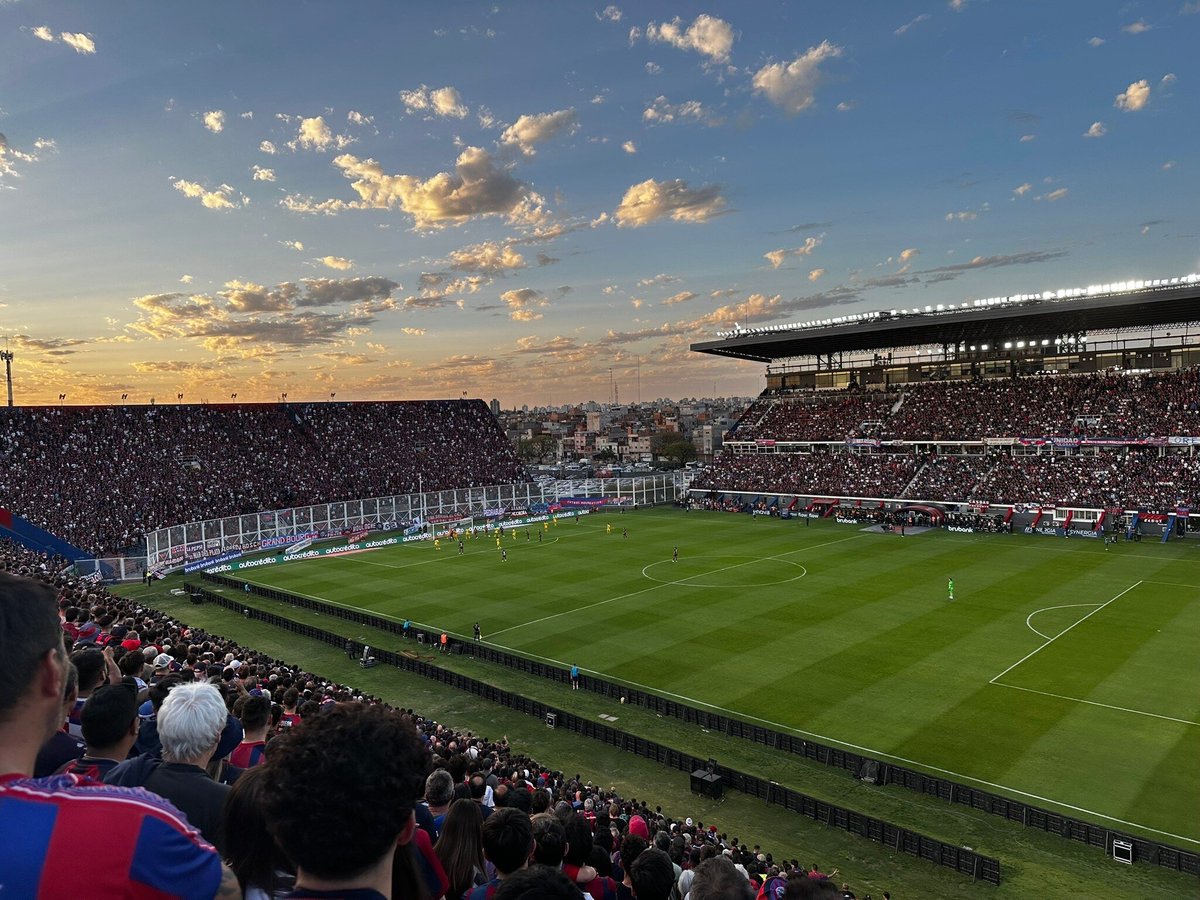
679	451
604	455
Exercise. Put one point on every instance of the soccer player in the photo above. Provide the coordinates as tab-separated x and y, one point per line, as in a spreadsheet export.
460	548
608	528
624	532
675	555
478	633
950	590
437	545
503	555
574	677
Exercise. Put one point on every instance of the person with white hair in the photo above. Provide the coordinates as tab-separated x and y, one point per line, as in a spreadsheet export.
190	723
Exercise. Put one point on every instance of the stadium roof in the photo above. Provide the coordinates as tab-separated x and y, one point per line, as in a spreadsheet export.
1128	305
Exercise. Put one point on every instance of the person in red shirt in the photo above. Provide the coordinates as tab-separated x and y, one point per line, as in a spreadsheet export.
256	719
290	717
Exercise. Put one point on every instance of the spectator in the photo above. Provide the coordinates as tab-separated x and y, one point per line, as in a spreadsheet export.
131	832
653	876
63	747
262	871
439	793
256	719
190	723
538	883
110	728
717	879
339	793
460	847
508	845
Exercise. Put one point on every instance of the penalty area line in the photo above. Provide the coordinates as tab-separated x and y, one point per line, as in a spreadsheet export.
1126	709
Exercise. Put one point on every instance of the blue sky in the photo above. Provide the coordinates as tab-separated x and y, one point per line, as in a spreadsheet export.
405	200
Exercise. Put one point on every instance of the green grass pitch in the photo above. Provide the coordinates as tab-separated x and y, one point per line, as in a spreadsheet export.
1063	674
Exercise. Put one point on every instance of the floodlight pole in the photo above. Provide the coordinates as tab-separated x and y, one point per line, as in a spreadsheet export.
7	356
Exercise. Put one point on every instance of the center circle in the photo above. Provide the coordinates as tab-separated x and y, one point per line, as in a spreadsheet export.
736	563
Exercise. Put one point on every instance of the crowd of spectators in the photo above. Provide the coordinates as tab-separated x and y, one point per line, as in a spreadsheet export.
835	474
101	477
1099	405
214	752
1137	479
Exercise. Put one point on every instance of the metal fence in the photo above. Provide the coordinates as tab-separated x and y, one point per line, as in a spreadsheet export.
961	859
1163	855
177	544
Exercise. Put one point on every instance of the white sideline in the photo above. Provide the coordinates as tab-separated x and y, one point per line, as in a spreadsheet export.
1032	653
869	751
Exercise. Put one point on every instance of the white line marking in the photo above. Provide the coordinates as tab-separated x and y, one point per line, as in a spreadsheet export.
656	586
869	751
1061	633
1046	637
1194	587
1137	712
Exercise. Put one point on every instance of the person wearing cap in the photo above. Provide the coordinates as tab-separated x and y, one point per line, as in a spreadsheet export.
110	727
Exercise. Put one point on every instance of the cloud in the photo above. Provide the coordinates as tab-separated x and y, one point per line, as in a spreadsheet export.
681	297
523	302
221	197
489	257
660	279
777	257
445	102
652	200
957	5
653	68
707	35
1026	138
337	262
1096	42
354	117
903	29
261	174
610	14
48	346
267	147
1167	80
412	332
1025	258
9	155
1133	98
814	274
1022	189
80	43
1138	27
476	187
185	279
662	112
529	130
293	245
313	134
964	216
250	320
792	86
1169	165
629	147
214	120
246	115
1095	130
1053	196
908	254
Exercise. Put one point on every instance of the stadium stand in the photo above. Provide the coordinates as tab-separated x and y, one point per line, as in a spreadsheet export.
491	774
101	477
1131	466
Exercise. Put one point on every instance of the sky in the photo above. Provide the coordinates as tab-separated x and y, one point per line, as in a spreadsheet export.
548	202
